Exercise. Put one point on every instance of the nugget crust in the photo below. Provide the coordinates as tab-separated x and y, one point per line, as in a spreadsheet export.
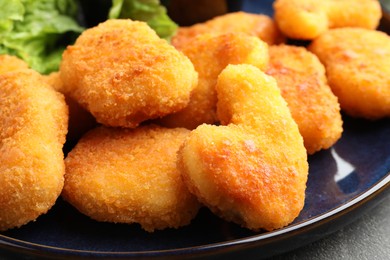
55	81
210	54
10	63
80	120
254	170
302	80
123	73
33	125
258	25
307	19
130	176
358	69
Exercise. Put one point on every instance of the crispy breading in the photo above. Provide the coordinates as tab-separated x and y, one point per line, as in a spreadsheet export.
303	84
358	69
54	80
10	63
259	25
33	125
307	19
124	74
210	54
253	169
80	120
130	176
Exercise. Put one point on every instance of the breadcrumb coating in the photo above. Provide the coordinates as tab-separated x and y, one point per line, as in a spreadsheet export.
80	120
130	176
10	63
302	80
358	69
307	19
258	25
124	74
33	125
253	169
210	54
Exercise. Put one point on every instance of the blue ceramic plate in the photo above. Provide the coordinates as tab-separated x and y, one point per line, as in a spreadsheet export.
344	182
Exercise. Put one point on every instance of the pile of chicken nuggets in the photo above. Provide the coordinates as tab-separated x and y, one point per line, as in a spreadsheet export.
224	117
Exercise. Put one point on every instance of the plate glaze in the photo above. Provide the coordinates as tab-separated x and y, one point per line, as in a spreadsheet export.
344	182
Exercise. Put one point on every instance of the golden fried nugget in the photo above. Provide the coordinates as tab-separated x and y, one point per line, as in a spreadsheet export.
80	120
210	54
254	170
303	84
354	13
123	73
130	176
358	69
11	63
307	19
261	26
33	125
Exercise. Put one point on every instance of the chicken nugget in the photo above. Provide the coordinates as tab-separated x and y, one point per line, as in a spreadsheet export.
210	54
33	125
259	25
302	80
123	73
307	19
253	169
130	176
358	69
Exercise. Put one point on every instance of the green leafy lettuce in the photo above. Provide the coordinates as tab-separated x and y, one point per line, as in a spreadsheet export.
150	11
38	30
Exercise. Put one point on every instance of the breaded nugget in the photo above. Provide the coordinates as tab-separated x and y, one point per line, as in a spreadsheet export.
210	54
33	125
259	25
11	63
123	73
254	170
80	120
358	69
302	81
307	19
354	13
130	176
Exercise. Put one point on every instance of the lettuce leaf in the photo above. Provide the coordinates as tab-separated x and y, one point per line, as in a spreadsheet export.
38	30
150	11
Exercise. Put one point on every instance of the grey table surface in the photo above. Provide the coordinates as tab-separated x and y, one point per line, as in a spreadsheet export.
368	237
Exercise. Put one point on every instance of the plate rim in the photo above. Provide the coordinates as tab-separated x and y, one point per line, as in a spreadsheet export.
380	187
